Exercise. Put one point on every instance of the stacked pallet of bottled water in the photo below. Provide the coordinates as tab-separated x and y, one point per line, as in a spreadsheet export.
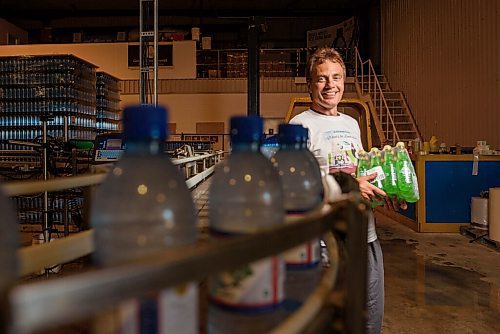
53	86
107	103
64	207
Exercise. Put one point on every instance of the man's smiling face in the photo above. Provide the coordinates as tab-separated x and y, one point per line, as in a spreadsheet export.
326	87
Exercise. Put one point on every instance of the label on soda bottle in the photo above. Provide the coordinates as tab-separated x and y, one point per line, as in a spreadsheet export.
254	287
161	314
304	256
379	171
407	174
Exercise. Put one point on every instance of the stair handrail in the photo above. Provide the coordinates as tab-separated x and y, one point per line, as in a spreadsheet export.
377	89
412	119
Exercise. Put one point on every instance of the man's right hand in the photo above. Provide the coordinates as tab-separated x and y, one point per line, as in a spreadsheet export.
367	189
370	192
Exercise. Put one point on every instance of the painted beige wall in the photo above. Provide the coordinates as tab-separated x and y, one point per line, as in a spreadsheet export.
7	28
444	55
113	57
187	109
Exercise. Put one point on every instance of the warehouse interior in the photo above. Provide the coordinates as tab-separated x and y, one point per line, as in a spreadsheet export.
421	72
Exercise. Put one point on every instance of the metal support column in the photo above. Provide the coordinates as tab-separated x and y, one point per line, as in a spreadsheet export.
148	51
46	224
256	25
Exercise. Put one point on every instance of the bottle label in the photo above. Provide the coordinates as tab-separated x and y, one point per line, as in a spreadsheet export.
407	174
393	177
254	287
161	314
379	171
305	255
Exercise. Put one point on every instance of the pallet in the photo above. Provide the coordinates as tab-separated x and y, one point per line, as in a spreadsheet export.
480	236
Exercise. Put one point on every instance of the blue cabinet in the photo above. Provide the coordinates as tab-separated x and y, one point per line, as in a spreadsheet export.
446	187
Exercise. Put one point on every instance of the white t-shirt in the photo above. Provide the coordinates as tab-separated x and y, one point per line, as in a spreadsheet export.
334	141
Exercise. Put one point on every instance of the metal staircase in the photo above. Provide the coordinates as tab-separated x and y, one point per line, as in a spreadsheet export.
391	116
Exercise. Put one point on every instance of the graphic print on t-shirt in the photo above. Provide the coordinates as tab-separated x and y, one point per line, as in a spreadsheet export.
342	153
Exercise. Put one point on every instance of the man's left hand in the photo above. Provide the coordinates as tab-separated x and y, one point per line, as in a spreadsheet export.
394	204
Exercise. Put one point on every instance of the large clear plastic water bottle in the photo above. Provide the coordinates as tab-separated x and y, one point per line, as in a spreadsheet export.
8	249
246	196
143	208
298	169
303	191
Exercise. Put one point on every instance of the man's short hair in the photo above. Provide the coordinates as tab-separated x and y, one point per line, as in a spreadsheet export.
321	55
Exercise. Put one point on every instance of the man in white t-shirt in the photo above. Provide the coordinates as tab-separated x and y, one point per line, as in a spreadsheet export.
334	139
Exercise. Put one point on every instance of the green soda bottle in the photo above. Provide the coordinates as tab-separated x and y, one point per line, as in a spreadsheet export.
376	167
406	177
363	163
364	166
389	166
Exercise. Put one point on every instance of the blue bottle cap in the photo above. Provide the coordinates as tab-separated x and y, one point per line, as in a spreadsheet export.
246	129
292	133
144	123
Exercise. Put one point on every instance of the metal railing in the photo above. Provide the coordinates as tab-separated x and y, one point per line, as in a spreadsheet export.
56	302
368	83
198	168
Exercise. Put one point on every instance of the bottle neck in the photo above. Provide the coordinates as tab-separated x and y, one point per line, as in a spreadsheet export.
152	147
245	147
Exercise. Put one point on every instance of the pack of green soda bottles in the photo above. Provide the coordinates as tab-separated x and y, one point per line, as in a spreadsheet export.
395	172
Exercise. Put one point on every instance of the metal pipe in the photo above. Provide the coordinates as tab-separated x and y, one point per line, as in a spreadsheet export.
142	85
253	75
45	216
155	82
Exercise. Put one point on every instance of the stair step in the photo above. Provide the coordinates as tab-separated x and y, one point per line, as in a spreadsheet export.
385	91
404	131
397	115
366	82
395	107
398	123
366	76
395	111
383	85
392	104
393	93
381	81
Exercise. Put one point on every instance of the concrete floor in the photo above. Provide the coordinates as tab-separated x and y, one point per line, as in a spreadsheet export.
438	282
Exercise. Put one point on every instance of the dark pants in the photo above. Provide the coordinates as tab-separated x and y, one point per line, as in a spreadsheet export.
375	300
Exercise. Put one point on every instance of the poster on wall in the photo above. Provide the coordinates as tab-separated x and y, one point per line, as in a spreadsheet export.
339	36
165	55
